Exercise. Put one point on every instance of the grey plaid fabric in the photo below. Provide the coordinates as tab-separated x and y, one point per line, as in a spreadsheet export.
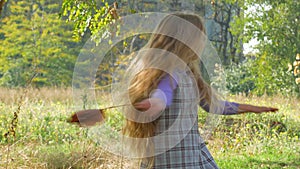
178	143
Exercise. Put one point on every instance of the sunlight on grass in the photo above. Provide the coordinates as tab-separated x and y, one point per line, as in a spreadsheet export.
45	140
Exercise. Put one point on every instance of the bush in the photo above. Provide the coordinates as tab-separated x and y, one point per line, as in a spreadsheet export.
260	76
239	78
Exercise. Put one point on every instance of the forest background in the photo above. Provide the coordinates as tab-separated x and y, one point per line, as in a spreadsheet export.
40	41
35	38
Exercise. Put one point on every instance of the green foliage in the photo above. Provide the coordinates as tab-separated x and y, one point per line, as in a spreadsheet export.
261	76
271	76
35	41
275	25
90	16
239	78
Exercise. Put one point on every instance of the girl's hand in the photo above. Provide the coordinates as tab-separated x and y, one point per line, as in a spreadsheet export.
143	105
151	106
255	109
264	109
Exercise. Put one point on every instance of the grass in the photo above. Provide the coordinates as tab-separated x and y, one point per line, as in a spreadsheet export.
270	156
44	140
269	140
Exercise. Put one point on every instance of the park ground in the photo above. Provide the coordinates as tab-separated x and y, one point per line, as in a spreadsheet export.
43	139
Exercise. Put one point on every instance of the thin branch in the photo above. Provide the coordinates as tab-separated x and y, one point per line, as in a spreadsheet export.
2	2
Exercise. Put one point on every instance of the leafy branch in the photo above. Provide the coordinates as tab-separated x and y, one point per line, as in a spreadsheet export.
90	17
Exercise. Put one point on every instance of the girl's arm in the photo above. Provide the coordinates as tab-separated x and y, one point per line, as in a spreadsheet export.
232	108
160	98
229	108
244	108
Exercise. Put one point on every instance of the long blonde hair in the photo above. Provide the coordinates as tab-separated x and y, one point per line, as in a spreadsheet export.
145	81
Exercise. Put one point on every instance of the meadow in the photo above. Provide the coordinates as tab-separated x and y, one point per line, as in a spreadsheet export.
40	136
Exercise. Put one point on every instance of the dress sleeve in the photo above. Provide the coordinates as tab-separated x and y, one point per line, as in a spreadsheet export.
230	108
168	84
165	89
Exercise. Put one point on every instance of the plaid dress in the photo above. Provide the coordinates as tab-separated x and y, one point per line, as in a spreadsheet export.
177	141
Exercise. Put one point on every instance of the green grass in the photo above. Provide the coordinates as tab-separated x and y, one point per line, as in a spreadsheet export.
270	157
269	140
45	140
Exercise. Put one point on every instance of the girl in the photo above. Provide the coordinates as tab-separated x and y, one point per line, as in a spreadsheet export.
166	91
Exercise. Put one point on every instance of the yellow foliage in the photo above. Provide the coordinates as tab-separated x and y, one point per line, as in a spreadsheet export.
296	63
298	57
296	71
297	80
290	67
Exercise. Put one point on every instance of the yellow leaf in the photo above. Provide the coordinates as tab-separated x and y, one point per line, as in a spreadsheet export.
296	63
297	80
296	71
290	67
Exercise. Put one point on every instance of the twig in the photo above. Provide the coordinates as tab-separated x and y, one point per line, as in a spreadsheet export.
14	121
112	107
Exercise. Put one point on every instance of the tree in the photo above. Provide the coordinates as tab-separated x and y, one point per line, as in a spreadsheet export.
35	41
226	39
275	25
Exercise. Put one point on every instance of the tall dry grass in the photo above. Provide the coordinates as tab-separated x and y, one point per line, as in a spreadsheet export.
45	140
43	137
12	95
